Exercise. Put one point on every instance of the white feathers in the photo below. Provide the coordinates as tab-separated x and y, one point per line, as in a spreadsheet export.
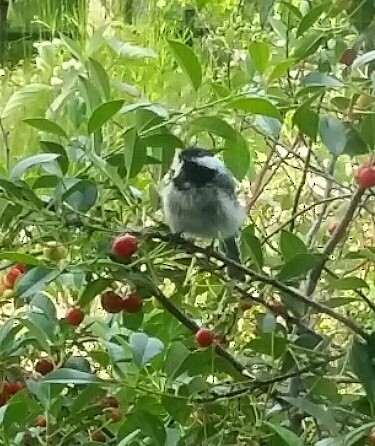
211	162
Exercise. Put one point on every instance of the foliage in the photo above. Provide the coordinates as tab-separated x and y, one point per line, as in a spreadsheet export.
89	128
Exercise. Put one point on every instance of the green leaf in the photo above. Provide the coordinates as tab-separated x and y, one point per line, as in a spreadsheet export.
150	425
100	78
35	160
268	344
103	113
82	195
188	61
363	367
320	80
135	153
265	9
128	51
269	127
332	131
27	95
237	157
289	437
215	125
144	348
356	434
72	46
164	140
36	332
175	357
91	290
311	17
70	376
323	415
252	246
19	257
364	59
177	408
53	147
268	323
291	245
299	266
256	106
45	125
34	281
308	44
348	283
307	121
260	54
280	69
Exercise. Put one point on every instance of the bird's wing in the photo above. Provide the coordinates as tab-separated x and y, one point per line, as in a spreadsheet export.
226	183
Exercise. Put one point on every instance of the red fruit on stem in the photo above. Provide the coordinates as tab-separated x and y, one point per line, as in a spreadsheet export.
13	388
204	337
74	316
124	246
110	401
21	266
27	439
278	308
114	414
40	421
44	366
132	303
98	436
111	302
348	56
12	276
365	176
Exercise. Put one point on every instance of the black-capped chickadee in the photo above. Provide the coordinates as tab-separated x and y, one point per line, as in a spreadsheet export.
200	200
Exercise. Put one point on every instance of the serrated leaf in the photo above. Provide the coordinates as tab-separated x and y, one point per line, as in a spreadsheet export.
289	437
348	283
332	132
175	357
311	17
256	106
307	120
260	53
70	376
320	80
19	257
144	348
237	157
103	113
188	62
25	96
31	161
299	266
45	125
34	281
291	245
215	125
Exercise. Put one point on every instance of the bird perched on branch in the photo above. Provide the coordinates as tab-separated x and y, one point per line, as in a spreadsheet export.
200	200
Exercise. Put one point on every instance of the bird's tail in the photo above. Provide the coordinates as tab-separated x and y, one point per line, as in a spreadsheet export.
230	249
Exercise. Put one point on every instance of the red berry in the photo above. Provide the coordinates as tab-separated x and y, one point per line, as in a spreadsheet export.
98	436
21	266
124	247
204	337
110	401
111	302
27	439
278	308
44	366
114	414
365	176
348	56
132	303
74	316
40	421
13	388
12	276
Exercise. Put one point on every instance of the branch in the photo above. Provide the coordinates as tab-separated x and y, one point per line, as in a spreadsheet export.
334	240
258	384
209	253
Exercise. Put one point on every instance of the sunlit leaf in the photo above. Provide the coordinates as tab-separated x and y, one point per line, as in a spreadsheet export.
188	61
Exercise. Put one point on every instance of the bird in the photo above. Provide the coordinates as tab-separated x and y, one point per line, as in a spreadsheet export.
199	200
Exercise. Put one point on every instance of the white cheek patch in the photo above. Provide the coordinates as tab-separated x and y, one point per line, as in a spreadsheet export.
211	162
